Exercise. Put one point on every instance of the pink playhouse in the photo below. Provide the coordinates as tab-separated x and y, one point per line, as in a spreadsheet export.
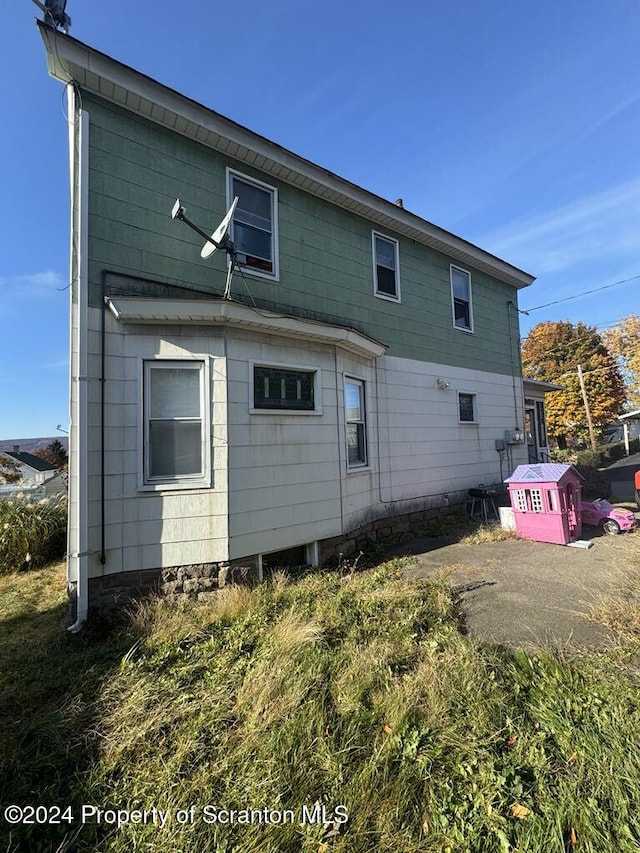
546	502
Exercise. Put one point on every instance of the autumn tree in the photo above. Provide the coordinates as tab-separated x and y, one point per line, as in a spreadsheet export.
551	352
10	470
54	453
623	342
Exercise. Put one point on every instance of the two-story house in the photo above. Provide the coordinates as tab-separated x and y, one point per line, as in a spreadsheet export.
364	372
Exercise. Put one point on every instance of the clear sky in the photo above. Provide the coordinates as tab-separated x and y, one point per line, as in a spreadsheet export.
516	126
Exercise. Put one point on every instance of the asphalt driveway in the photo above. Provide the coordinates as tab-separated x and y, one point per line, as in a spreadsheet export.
518	592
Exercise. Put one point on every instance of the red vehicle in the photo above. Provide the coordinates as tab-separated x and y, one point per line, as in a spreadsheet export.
637	482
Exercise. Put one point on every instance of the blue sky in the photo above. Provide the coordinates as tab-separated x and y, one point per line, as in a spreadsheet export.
513	125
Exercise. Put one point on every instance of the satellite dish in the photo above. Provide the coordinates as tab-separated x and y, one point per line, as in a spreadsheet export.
217	238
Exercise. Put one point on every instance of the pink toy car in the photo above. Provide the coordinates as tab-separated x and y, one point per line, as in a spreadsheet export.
602	514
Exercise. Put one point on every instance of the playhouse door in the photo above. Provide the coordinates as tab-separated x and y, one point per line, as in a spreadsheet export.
572	511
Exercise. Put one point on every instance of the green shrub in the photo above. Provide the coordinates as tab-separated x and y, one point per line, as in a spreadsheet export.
604	455
32	532
596	484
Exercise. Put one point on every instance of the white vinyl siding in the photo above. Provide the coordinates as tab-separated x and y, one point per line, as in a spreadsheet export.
255	224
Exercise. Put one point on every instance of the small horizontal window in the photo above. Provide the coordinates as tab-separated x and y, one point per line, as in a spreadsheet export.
281	388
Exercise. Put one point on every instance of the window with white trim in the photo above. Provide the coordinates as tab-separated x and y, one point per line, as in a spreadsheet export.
461	299
356	423
520	499
284	388
174	423
255	227
536	500
386	275
467	408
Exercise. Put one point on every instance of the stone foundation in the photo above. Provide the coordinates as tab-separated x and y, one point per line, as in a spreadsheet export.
201	581
112	592
416	523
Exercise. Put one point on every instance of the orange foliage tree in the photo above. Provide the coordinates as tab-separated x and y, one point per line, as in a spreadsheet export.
551	352
623	342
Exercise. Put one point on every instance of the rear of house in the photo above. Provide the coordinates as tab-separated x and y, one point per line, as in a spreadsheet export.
365	371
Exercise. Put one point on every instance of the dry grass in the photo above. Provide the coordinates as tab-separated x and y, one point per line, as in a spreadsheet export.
354	690
488	533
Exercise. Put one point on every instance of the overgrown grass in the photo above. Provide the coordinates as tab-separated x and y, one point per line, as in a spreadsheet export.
351	690
487	533
32	532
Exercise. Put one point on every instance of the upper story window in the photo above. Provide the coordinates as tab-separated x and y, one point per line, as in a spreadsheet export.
255	224
386	269
461	299
175	423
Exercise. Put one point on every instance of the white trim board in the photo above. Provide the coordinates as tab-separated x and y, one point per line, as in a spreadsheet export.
224	312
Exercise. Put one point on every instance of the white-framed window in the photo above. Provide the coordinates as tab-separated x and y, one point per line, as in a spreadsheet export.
175	424
461	303
255	224
520	499
536	500
467	408
355	422
284	388
386	267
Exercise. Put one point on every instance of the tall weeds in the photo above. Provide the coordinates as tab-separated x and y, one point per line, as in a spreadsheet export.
32	532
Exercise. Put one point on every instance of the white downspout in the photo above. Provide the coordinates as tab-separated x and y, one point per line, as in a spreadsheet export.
78	544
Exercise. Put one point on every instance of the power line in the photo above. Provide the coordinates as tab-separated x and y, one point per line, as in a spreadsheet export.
584	293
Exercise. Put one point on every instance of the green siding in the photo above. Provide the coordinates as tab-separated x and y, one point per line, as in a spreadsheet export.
138	169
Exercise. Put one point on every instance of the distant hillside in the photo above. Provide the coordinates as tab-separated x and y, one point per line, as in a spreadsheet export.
29	445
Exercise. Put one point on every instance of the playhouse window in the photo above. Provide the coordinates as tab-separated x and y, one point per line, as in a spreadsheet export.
528	500
520	500
536	500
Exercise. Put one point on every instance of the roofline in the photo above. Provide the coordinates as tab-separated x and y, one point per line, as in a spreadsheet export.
133	309
542	386
69	59
16	456
633	415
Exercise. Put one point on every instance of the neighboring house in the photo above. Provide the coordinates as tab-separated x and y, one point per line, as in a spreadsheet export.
34	471
365	372
535	424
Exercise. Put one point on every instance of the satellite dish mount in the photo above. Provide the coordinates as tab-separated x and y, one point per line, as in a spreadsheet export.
218	240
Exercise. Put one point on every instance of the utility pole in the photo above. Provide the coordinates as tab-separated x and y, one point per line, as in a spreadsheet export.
586	406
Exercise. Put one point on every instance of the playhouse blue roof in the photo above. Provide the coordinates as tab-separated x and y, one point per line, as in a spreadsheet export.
544	472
